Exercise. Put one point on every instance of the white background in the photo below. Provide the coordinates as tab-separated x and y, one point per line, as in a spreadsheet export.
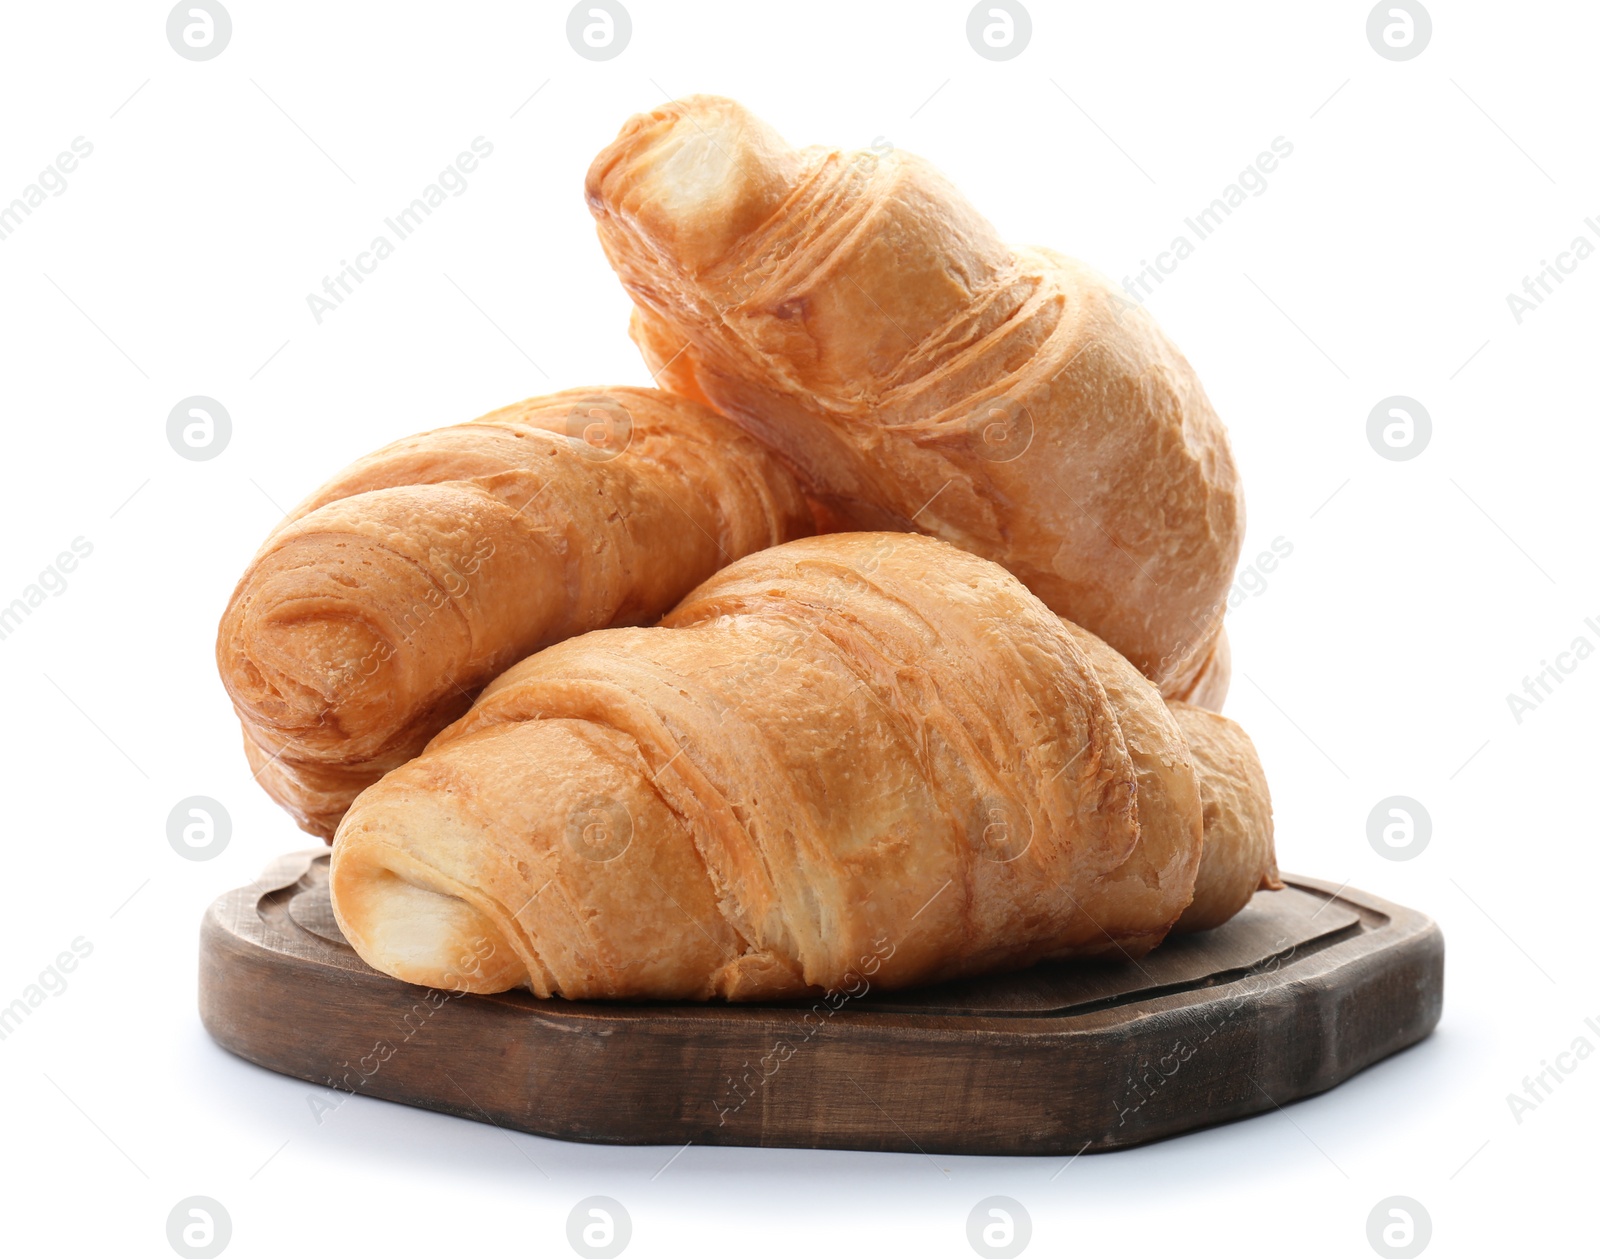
1375	662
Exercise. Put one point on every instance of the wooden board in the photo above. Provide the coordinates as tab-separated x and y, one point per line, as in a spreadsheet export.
1301	990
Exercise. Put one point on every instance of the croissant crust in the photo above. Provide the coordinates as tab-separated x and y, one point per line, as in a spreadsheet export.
862	319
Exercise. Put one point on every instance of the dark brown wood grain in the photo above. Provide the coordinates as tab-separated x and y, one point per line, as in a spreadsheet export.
1301	990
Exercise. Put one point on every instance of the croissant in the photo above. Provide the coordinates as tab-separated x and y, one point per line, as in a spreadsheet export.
856	314
855	750
374	613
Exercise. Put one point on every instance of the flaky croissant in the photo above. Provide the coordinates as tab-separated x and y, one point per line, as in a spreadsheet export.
852	747
374	613
861	318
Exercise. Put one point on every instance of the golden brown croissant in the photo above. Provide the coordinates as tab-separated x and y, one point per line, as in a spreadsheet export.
857	315
856	750
375	612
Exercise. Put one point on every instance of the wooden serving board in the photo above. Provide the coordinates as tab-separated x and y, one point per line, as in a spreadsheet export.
1298	992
